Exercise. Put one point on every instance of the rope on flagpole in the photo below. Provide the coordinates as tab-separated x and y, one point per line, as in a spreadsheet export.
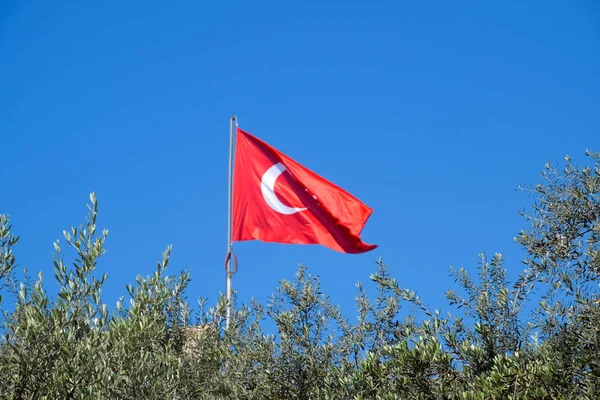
228	258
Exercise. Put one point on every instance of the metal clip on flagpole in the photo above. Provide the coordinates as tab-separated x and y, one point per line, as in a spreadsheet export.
228	272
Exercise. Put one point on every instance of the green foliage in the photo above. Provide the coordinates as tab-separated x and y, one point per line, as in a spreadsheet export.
151	345
7	259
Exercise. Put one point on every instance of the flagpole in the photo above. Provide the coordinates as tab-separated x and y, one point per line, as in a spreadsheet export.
229	217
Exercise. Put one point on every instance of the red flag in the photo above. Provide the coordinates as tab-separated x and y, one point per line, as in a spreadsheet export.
275	199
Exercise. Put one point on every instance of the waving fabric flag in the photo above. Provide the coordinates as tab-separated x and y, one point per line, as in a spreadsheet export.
275	199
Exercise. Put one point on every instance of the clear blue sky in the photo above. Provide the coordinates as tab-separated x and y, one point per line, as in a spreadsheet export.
430	112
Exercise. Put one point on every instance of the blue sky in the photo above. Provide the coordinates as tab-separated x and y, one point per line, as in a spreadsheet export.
432	113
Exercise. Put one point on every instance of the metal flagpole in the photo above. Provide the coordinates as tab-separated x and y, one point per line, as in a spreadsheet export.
228	272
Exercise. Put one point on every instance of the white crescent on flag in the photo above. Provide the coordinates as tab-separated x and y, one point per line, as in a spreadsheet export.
267	187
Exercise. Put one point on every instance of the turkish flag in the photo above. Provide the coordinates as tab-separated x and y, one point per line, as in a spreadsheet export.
275	199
